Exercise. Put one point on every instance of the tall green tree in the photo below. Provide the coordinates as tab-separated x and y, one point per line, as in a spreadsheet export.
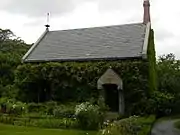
12	49
169	74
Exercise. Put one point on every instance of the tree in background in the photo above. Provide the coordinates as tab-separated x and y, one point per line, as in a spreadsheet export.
12	49
168	69
5	35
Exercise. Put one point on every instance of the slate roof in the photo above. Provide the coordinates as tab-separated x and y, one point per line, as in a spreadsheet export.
98	43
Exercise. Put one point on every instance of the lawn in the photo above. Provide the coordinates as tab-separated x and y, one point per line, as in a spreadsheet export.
15	130
177	124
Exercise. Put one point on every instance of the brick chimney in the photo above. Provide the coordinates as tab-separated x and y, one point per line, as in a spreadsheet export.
147	17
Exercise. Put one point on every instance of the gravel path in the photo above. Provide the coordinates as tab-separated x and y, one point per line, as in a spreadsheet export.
165	128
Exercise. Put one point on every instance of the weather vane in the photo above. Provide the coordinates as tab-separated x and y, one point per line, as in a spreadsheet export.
48	16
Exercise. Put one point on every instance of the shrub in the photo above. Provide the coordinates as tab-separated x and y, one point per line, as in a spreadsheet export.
157	103
89	116
161	103
35	115
11	106
36	107
122	127
133	125
175	105
64	111
102	105
18	108
10	91
6	119
3	102
50	107
56	123
44	123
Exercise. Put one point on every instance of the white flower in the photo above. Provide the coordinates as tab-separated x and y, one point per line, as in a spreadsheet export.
14	106
103	132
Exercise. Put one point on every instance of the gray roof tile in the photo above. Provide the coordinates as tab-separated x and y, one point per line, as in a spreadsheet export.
116	42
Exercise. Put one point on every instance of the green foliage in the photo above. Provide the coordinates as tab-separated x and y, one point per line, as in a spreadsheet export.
10	106
63	111
133	125
158	103
41	110
9	91
146	124
7	67
5	35
56	123
34	107
101	103
35	115
169	74
168	68
10	44
177	124
6	119
152	63
66	82
161	103
89	116
50	107
11	51
43	123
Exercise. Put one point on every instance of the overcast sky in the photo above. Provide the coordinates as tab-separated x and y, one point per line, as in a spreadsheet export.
26	18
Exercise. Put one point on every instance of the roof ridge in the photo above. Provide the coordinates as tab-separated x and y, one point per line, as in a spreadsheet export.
99	27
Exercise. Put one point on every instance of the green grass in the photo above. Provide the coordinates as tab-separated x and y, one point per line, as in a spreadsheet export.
173	117
146	123
15	130
177	124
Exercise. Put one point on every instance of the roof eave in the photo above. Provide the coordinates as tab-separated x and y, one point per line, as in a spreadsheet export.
84	59
24	59
146	41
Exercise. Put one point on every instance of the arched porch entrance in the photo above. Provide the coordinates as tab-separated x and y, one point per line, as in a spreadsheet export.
112	90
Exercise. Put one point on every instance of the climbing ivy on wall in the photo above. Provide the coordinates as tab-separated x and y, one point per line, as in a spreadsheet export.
78	81
152	63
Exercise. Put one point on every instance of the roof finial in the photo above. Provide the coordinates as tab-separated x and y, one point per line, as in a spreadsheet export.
146	18
47	25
